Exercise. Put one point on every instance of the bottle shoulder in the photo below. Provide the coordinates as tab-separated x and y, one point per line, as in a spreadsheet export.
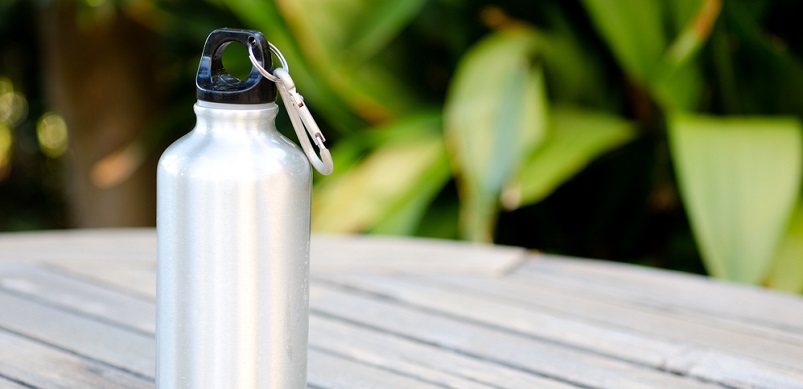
233	155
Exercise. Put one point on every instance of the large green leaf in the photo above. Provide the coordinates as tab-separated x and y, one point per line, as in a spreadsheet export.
739	179
634	32
494	116
332	36
575	138
787	270
389	190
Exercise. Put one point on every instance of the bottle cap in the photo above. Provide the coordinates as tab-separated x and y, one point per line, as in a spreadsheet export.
216	85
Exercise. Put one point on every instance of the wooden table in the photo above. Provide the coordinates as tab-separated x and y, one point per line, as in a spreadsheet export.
77	311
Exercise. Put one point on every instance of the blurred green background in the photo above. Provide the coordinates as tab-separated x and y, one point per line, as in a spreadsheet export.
659	132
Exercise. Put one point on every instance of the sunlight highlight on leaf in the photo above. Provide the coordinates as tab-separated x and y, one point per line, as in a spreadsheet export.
739	179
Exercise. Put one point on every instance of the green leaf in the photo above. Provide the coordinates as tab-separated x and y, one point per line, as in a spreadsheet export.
326	31
388	191
575	138
677	82
634	32
494	116
405	218
678	88
739	178
384	21
680	12
787	270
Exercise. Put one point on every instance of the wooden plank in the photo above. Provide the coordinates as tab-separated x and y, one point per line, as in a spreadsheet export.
65	245
8	384
668	290
375	254
329	253
660	352
542	358
41	366
109	344
566	361
410	358
86	298
332	372
387	352
651	318
137	280
699	354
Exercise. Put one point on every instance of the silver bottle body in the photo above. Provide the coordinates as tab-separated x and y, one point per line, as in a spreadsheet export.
233	220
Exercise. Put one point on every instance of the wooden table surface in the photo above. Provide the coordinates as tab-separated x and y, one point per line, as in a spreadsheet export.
77	311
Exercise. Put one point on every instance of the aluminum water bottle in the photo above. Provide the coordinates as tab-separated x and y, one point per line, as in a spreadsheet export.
233	225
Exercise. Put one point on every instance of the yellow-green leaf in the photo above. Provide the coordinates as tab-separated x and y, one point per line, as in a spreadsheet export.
494	116
787	269
739	179
387	192
575	138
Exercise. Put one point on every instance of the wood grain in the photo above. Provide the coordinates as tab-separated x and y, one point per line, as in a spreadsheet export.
81	335
41	366
337	373
669	290
664	340
538	357
78	311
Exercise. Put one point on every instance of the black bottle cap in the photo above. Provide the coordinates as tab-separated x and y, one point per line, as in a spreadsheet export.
215	85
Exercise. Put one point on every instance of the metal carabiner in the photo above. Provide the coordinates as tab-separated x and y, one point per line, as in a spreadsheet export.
300	116
302	120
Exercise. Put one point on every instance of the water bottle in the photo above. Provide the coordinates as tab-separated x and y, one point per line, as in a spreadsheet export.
233	226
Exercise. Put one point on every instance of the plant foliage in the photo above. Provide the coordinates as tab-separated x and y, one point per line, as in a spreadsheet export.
654	131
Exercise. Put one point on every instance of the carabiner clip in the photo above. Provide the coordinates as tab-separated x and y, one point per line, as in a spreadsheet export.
302	120
297	111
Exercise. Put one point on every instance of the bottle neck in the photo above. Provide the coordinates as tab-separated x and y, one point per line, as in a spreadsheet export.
235	118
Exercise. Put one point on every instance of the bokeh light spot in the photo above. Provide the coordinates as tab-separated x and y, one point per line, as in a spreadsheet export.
52	134
13	107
